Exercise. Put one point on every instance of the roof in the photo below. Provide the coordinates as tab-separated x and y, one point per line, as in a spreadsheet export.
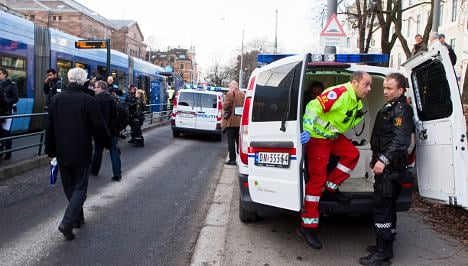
119	23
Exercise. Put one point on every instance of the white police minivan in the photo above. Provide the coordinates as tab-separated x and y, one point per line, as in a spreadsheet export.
197	111
271	157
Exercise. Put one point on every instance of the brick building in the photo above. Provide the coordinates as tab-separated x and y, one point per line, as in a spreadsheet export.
75	19
181	61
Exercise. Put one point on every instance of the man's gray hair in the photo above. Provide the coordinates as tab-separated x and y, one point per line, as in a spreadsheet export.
101	84
77	75
434	35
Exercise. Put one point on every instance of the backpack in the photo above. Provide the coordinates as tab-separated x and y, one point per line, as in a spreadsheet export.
122	115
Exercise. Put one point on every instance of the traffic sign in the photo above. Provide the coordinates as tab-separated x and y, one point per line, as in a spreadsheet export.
333	33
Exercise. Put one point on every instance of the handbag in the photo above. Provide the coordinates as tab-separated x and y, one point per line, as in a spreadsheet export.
228	113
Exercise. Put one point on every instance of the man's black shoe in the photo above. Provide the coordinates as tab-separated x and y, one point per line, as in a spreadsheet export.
116	178
132	140
337	196
230	162
310	236
376	259
78	223
67	231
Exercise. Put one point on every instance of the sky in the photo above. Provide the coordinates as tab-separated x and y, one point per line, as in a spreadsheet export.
214	27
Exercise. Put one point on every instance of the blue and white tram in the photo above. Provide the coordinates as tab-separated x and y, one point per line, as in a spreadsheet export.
27	51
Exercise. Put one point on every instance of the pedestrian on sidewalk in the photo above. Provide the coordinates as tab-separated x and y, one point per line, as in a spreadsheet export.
11	92
453	56
108	107
137	116
74	119
231	123
390	140
53	84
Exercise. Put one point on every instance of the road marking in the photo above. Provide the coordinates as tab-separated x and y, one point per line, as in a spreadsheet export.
42	239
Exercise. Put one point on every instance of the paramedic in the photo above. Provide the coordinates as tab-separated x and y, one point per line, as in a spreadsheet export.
326	118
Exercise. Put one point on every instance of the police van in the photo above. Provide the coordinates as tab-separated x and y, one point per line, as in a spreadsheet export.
197	111
271	160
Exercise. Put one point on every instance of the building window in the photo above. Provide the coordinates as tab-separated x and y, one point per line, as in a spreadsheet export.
418	24
60	18
399	60
181	66
454	10
441	18
31	17
408	28
452	43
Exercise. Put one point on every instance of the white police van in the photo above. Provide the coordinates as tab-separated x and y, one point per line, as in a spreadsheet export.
197	111
271	161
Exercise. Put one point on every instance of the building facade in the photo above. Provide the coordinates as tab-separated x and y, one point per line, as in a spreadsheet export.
75	19
180	61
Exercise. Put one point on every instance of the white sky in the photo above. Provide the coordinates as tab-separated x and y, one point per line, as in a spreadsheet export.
214	27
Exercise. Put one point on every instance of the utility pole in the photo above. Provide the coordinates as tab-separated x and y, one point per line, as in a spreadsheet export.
241	61
276	32
436	16
332	7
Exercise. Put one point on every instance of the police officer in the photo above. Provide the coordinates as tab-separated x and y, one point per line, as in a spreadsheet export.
326	118
390	140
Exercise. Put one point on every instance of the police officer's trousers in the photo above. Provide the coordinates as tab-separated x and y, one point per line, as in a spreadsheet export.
318	154
384	207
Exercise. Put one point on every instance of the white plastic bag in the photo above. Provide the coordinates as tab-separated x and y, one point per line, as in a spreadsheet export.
53	171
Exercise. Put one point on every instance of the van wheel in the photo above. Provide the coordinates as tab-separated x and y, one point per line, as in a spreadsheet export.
175	134
246	216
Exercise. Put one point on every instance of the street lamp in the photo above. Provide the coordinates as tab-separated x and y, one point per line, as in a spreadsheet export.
241	61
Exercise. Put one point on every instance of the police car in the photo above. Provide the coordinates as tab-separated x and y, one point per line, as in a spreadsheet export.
271	157
197	111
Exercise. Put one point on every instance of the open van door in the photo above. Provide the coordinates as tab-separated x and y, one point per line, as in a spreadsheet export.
441	143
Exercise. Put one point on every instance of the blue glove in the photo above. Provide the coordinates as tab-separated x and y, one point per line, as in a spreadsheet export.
305	137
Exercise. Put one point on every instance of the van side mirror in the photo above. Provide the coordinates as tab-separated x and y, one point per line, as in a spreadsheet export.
238	111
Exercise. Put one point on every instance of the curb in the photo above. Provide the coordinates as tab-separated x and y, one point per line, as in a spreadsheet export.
40	161
209	249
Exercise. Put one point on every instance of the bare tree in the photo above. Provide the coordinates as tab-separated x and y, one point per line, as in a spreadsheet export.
218	74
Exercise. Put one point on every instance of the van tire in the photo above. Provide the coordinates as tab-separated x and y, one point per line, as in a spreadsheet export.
246	216
175	134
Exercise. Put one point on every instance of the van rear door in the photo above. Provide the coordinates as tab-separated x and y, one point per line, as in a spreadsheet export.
186	114
441	153
207	111
273	133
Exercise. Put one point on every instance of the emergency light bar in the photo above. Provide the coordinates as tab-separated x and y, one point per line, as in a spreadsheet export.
265	59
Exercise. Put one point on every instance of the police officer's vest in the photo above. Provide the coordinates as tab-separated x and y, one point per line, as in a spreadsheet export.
333	112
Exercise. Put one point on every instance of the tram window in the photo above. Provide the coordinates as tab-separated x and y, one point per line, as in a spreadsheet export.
16	72
101	71
62	69
122	80
81	65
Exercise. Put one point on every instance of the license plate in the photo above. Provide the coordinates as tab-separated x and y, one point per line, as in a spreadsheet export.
186	115
272	159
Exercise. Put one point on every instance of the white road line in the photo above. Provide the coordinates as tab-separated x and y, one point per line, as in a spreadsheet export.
41	239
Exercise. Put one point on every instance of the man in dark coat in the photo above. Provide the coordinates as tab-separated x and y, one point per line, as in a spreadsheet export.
74	119
108	107
53	84
11	92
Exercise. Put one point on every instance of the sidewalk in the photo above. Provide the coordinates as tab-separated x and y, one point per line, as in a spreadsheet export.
28	159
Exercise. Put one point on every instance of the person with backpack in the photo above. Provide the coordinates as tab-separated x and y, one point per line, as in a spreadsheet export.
108	107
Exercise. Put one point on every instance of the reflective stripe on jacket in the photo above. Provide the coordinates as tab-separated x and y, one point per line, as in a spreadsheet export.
333	112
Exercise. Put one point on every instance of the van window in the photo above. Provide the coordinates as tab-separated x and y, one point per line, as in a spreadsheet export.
272	93
208	101
187	99
432	91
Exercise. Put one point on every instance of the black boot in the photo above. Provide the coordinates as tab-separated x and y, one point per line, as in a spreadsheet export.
310	236
374	248
67	231
337	196
140	142
131	140
381	257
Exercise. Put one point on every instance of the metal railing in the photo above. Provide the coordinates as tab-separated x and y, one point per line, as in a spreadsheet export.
152	118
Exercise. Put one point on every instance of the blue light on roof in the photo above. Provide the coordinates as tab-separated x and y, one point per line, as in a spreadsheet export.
265	59
362	58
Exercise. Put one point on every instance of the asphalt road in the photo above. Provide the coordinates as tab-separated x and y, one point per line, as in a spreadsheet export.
152	217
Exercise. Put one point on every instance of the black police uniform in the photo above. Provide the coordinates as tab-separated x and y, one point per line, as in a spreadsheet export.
390	140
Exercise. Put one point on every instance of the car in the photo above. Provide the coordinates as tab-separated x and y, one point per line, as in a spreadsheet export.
197	111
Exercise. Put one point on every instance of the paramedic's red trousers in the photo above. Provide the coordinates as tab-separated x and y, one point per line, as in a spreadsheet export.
318	153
